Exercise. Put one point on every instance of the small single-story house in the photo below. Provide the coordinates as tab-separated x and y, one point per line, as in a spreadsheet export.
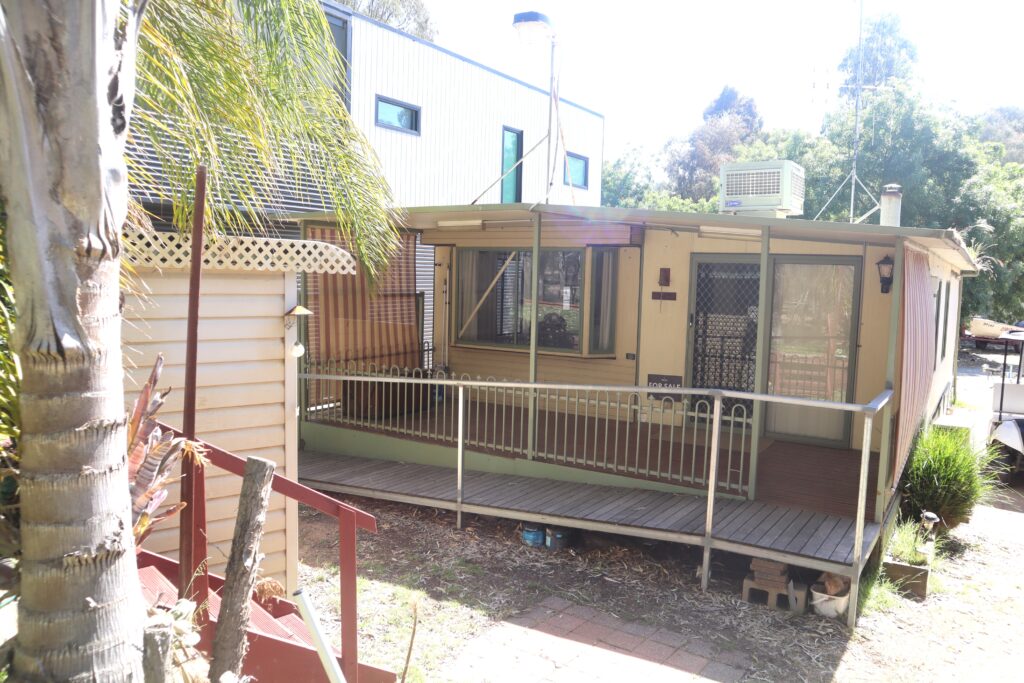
596	385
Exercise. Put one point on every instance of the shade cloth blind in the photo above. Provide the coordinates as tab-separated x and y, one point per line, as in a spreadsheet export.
353	322
918	353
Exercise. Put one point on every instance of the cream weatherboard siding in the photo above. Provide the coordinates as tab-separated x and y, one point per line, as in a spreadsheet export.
246	395
463	107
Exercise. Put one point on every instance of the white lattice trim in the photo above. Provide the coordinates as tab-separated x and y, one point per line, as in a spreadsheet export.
171	250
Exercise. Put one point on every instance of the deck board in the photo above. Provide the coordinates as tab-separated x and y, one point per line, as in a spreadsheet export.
760	526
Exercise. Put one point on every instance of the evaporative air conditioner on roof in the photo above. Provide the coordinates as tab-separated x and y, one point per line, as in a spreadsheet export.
765	188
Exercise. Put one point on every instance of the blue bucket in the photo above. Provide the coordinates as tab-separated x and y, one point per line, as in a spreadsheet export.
556	538
533	536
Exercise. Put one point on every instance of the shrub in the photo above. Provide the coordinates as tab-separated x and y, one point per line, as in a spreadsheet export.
948	476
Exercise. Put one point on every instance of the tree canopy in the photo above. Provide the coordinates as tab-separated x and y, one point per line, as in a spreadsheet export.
887	54
408	15
956	171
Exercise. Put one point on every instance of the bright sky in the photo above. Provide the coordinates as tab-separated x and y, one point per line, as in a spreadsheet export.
651	67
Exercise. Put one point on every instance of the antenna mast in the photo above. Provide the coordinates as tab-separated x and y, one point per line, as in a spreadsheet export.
852	177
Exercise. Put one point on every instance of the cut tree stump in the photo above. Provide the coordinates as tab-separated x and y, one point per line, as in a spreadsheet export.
229	643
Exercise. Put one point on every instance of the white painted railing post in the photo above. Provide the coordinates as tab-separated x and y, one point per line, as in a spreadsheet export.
858	530
459	458
716	423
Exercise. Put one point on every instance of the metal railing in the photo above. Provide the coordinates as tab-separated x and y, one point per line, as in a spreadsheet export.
640	431
349	520
376	396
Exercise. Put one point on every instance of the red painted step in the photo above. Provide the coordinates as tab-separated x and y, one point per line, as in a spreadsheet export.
280	647
158	590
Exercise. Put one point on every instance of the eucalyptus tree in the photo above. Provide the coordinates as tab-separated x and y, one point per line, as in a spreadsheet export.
249	87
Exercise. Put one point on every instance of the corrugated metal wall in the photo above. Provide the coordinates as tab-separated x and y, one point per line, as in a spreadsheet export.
463	108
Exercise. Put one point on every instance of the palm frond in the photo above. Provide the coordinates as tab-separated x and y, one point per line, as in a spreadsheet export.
252	89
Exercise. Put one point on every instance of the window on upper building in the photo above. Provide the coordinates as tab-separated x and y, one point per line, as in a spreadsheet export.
577	170
511	153
398	115
341	26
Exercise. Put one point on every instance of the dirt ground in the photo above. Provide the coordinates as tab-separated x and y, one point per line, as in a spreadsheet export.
460	583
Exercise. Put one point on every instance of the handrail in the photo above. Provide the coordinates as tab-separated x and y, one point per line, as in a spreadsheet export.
870	408
350	519
286	487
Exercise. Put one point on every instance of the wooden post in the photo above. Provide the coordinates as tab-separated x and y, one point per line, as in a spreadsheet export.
229	643
761	356
156	652
886	456
193	583
349	594
709	519
531	433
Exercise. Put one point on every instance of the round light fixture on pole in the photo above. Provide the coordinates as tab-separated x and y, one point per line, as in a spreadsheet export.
533	26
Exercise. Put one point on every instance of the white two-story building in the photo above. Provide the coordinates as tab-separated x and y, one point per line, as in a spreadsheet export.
445	127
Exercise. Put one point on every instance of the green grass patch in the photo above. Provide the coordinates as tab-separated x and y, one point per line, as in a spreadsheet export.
904	546
877	592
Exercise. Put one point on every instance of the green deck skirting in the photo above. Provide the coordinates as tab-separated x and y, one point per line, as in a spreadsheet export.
356	442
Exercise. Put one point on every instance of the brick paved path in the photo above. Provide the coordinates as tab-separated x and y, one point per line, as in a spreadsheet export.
558	641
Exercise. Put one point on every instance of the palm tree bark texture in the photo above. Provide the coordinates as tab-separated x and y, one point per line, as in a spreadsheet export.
67	77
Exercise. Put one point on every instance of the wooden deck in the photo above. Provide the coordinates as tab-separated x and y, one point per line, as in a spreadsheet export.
812	477
797	536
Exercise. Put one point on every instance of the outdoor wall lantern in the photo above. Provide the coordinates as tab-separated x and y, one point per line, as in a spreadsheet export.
885	273
293	315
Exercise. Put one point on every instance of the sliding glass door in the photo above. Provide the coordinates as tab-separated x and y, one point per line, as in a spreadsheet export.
812	345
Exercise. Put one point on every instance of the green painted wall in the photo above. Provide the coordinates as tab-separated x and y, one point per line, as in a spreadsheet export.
327	439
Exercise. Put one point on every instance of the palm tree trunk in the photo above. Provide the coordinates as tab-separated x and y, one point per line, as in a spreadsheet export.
67	73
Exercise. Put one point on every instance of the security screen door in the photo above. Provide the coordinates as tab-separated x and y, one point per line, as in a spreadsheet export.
723	324
812	344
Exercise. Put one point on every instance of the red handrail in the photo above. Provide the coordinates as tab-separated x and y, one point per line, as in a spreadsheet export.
349	520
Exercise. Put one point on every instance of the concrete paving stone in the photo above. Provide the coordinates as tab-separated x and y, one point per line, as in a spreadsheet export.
563	622
609	620
549	628
539	612
582	611
687	661
723	673
622	640
590	633
667	637
638	629
701	648
653	651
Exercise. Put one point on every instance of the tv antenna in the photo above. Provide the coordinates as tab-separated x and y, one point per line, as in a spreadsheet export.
852	178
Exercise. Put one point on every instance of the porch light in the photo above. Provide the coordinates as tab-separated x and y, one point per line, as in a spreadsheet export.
885	273
293	315
298	350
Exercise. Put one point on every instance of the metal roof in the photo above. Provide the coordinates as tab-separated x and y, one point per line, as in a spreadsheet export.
945	243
